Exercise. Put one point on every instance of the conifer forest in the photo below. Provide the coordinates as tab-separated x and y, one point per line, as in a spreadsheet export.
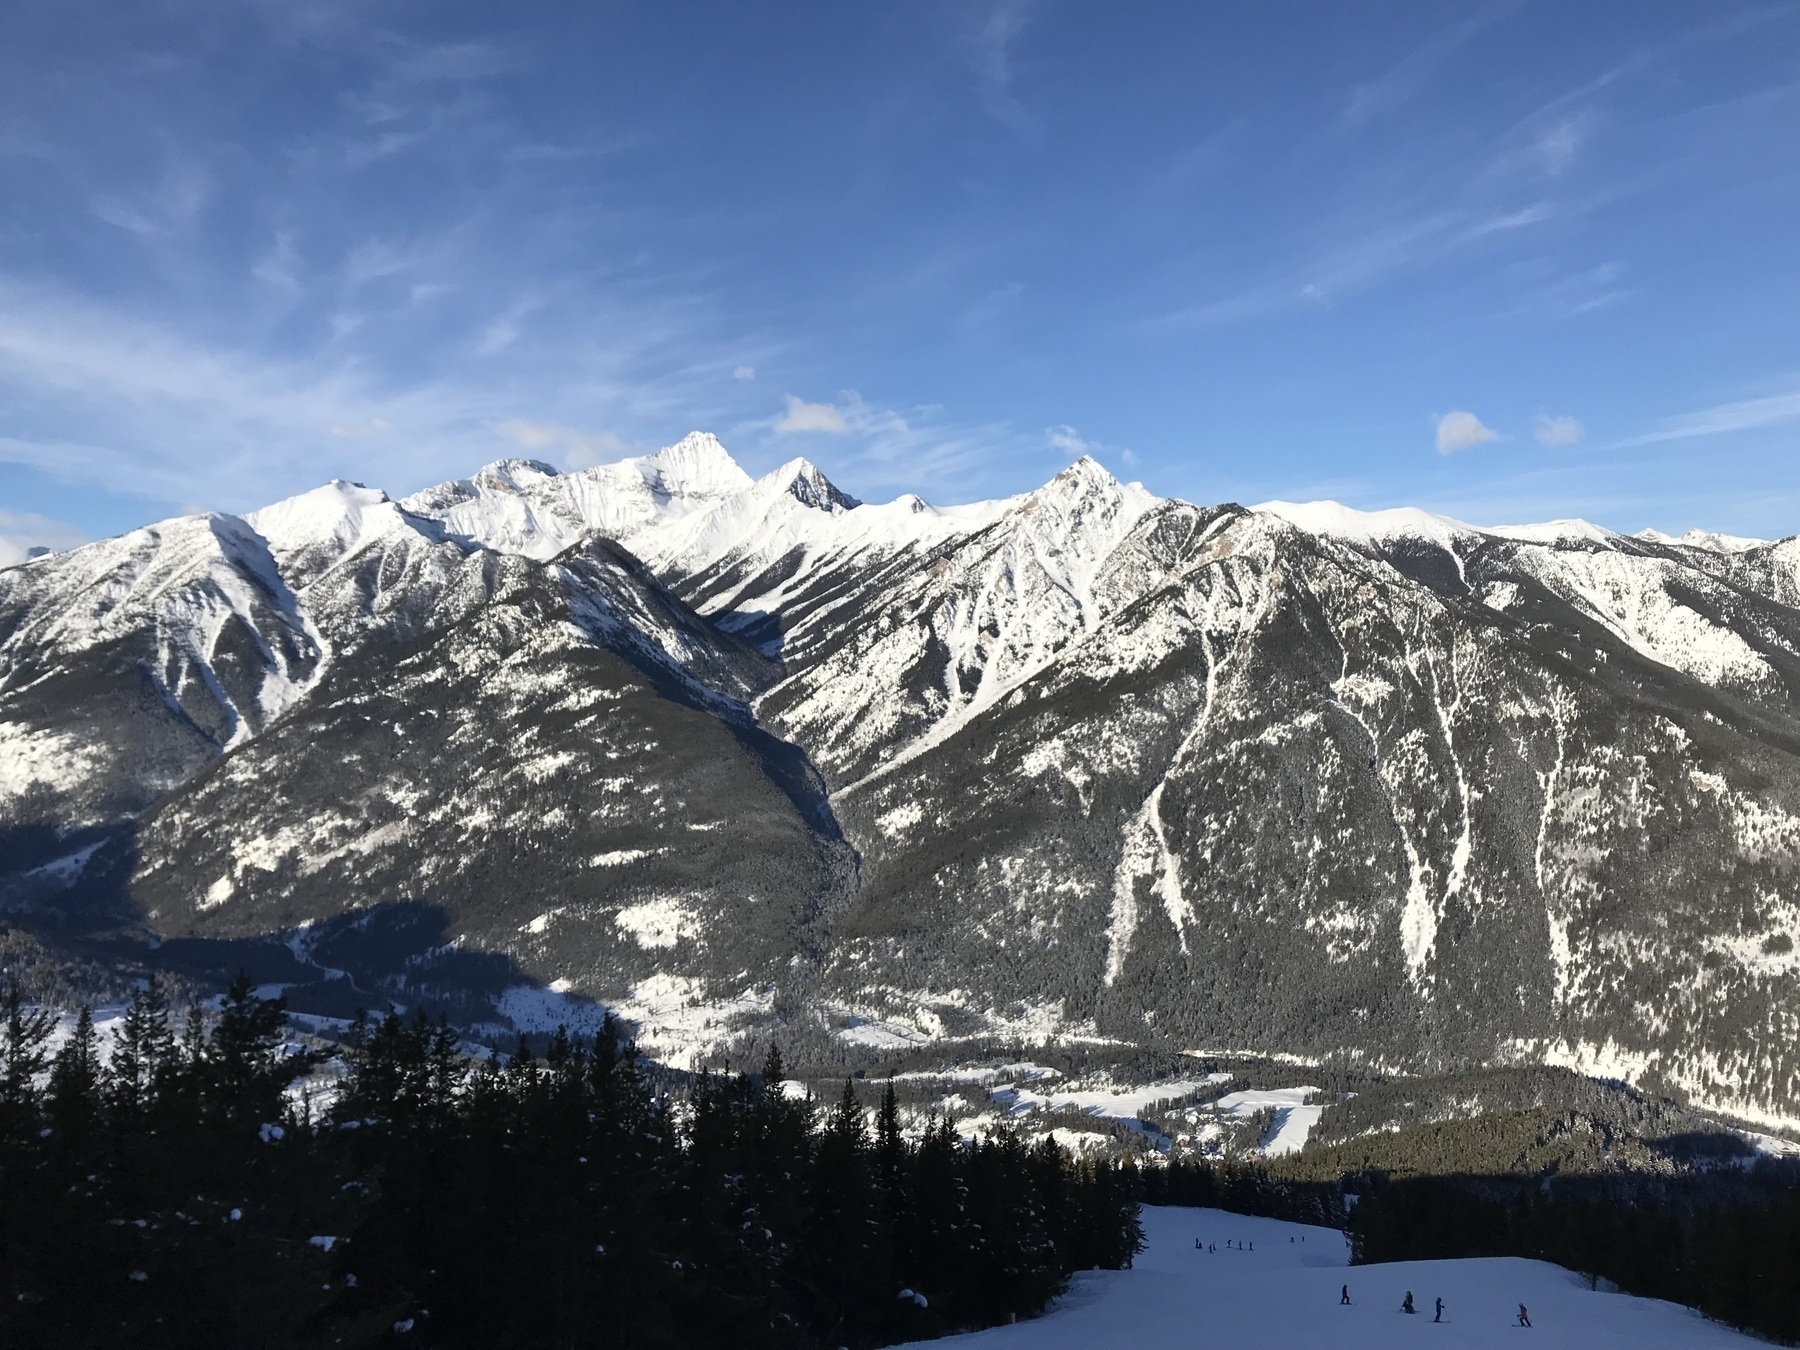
179	1195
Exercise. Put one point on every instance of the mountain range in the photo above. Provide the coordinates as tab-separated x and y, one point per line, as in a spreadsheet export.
739	757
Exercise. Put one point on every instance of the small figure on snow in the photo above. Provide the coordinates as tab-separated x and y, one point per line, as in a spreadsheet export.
1344	1297
1440	1311
1524	1317
1196	1244
1407	1306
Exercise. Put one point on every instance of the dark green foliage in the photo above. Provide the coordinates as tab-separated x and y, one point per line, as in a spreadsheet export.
179	1196
1729	1246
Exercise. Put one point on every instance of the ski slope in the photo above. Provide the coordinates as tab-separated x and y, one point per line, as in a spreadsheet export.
1285	1294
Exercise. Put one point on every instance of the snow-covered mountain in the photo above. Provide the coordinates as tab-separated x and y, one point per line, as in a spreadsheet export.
1082	762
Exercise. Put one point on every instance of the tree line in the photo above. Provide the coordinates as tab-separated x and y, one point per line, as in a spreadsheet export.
185	1191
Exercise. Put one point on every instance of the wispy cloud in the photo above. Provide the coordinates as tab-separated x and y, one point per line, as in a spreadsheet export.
990	53
576	449
876	449
1332	274
1405	78
1069	441
1513	220
1724	418
174	420
24	533
1557	147
169	206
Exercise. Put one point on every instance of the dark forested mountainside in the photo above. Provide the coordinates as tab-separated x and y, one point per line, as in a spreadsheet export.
727	756
185	1193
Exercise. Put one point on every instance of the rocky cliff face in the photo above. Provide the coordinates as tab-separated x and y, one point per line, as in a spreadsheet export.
1078	763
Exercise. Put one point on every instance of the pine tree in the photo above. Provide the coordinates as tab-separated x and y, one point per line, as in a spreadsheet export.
22	1059
143	1051
73	1101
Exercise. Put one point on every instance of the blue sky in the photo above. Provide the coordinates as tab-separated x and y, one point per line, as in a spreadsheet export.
1510	262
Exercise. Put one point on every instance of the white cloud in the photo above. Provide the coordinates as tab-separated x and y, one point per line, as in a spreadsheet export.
1460	431
804	416
22	531
743	372
576	448
1557	430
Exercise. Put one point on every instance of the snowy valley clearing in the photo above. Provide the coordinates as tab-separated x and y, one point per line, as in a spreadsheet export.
1285	1294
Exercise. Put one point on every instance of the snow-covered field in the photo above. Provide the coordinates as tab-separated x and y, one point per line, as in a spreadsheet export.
1285	1294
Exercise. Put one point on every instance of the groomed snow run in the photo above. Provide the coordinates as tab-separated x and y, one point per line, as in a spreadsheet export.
1284	1295
1294	1119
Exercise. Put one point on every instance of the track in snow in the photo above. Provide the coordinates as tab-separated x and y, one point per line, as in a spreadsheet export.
1285	1295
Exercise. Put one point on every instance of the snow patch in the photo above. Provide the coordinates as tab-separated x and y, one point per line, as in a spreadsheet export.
661	922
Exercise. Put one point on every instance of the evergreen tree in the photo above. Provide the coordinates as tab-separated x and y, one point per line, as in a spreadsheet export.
143	1050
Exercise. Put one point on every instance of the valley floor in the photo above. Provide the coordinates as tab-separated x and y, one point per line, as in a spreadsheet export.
1285	1294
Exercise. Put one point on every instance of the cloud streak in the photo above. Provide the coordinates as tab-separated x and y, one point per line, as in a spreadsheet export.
1722	419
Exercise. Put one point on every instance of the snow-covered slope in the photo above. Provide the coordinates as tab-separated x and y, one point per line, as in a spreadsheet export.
966	610
1284	1295
127	664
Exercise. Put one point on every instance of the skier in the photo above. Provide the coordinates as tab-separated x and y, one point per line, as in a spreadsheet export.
1524	1317
1407	1306
1440	1311
1344	1297
1196	1244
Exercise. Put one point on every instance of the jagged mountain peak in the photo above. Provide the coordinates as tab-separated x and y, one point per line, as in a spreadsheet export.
1089	472
513	475
806	483
1084	508
697	465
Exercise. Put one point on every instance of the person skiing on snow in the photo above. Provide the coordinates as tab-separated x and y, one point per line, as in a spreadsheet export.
1344	1296
1524	1317
1407	1306
1440	1311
